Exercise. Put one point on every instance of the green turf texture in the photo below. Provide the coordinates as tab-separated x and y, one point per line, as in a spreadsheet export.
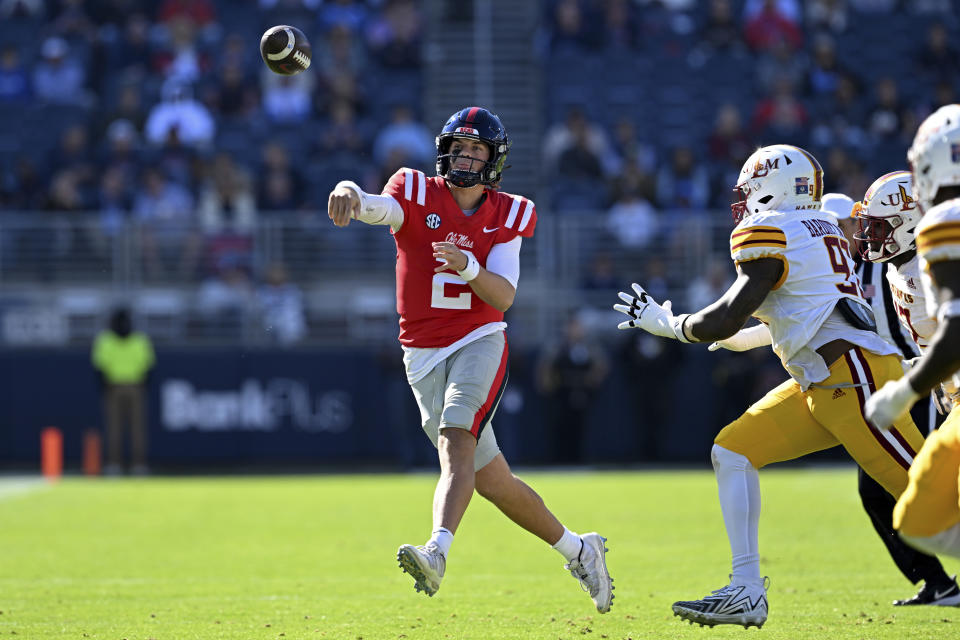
314	557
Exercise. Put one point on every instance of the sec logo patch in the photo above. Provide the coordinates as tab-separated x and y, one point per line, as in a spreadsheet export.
433	221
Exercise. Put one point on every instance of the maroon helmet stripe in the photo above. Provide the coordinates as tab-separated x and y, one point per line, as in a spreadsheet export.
472	113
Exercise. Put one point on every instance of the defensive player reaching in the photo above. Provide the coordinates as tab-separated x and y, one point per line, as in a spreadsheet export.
881	228
927	515
458	262
794	273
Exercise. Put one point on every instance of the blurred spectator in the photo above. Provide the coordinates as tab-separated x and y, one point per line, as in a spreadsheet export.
282	186
570	373
619	27
578	161
406	136
74	154
349	14
123	359
569	33
874	6
339	51
394	34
936	58
839	117
844	174
287	99
781	63
343	134
59	77
182	59
281	307
23	186
14	82
601	275
780	116
632	220
226	202
114	202
131	52
165	211
234	95
199	12
628	148
225	297
127	106
830	15
73	23
728	143
770	21
178	116
22	9
562	136
887	116
684	183
720	33
825	71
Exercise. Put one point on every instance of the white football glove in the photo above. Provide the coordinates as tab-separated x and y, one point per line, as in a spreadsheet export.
653	318
889	403
745	339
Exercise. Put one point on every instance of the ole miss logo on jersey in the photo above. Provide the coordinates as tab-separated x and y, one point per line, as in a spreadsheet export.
437	309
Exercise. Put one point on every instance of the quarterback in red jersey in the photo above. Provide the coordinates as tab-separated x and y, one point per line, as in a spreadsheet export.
458	263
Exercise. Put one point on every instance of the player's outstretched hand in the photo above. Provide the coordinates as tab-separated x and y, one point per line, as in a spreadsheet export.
450	255
645	313
343	205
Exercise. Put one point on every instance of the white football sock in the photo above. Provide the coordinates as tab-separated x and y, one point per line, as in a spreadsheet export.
443	539
946	542
738	484
569	545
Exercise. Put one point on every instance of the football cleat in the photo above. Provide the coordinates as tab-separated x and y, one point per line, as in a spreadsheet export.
425	563
733	604
941	595
590	569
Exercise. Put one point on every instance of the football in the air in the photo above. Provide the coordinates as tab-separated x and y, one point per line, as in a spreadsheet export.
285	50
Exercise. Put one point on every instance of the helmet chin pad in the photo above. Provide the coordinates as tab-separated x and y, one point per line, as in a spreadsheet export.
463	179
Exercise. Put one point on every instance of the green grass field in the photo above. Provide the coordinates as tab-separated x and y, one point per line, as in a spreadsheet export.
313	557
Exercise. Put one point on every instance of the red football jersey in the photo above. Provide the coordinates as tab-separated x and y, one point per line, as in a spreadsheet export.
437	309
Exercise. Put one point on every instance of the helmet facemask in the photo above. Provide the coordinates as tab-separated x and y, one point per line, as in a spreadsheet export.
887	216
473	123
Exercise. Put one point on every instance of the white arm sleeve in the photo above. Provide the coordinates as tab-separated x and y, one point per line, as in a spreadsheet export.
504	260
376	209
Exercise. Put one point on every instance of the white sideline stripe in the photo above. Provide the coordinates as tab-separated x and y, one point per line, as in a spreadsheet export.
885	434
513	211
408	184
527	212
15	486
421	189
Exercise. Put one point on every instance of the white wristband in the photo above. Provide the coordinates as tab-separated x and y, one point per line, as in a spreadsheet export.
472	270
678	328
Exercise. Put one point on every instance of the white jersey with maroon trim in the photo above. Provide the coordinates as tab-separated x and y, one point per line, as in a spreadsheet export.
800	310
439	309
910	302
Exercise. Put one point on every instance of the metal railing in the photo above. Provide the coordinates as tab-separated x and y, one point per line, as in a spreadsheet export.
61	275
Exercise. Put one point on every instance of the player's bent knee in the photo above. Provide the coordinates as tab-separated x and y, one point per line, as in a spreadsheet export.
724	458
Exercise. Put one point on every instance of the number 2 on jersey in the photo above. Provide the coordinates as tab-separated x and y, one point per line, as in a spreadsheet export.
839	251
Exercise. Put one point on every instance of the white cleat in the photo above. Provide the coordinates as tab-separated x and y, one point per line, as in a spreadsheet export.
733	604
590	569
425	563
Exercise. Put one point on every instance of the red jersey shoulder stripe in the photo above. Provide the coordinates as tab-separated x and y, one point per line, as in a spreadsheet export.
409	177
514	208
527	213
